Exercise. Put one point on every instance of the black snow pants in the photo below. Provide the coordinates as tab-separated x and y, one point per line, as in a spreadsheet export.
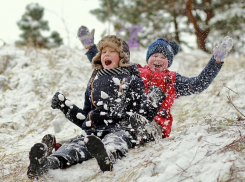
116	145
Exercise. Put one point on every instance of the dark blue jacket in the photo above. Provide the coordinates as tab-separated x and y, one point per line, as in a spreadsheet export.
102	107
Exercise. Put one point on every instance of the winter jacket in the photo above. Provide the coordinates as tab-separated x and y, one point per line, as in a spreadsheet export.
103	108
174	85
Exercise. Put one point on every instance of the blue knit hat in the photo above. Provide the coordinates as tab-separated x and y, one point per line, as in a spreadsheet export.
168	48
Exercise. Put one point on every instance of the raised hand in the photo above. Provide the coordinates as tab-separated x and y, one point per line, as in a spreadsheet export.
221	51
86	37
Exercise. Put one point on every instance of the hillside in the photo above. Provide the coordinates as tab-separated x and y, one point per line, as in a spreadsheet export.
208	135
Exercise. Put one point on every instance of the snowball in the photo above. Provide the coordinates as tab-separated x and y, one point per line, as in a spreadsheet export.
105	106
133	141
103	113
116	81
134	103
104	95
118	100
61	97
68	103
124	86
88	123
99	103
166	122
119	94
99	134
130	113
141	111
80	116
84	133
57	125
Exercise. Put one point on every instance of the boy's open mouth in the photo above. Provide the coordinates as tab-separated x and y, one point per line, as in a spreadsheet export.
108	62
158	65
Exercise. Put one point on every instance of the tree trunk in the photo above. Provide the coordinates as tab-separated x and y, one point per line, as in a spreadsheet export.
200	34
176	28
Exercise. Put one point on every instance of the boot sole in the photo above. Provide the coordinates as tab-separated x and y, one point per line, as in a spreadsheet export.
36	156
49	140
96	148
138	123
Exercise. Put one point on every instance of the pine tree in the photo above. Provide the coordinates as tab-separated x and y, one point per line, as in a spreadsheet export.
32	24
54	40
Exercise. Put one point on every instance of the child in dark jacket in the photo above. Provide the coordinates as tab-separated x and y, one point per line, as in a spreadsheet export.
159	58
103	116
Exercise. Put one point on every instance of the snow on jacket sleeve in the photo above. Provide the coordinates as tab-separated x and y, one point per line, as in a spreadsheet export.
91	53
187	86
77	115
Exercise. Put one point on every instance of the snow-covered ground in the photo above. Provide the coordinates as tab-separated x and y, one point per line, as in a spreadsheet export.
207	142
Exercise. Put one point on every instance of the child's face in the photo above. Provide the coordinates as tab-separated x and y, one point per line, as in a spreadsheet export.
158	62
109	58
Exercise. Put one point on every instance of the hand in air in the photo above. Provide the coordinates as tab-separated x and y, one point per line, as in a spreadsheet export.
221	51
86	37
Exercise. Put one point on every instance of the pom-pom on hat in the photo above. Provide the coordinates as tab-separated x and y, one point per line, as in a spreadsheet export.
116	43
168	48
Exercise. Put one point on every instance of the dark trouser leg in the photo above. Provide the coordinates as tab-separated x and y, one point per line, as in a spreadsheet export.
72	153
113	146
117	144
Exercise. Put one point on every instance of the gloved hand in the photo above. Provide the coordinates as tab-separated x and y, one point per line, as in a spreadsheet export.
58	101
86	37
221	51
156	96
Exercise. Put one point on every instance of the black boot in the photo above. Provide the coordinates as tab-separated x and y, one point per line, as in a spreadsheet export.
96	148
145	130
156	131
50	141
141	126
39	162
155	99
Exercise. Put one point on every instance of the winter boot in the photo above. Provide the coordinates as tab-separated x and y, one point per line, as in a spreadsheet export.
155	99
97	149
156	131
50	141
39	162
141	128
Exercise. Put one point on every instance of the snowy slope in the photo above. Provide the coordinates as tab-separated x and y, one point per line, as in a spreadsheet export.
206	144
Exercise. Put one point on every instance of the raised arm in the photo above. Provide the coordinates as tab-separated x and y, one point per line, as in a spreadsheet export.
187	86
87	39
